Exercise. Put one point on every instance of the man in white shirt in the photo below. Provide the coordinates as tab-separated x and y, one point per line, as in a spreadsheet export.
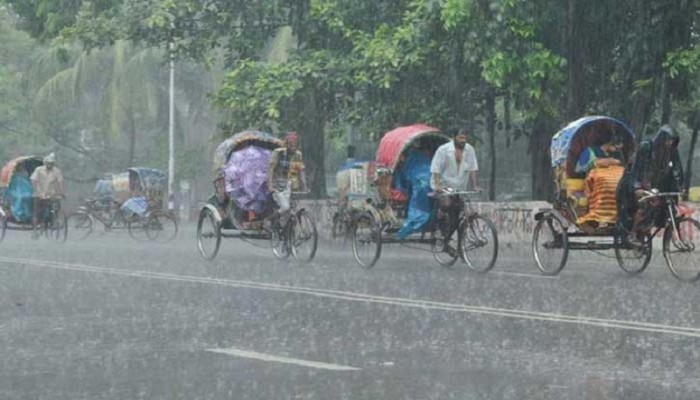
455	164
47	181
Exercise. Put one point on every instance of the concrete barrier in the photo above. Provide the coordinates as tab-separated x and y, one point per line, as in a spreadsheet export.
514	221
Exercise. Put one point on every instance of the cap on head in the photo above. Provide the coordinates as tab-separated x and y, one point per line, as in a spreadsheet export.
50	159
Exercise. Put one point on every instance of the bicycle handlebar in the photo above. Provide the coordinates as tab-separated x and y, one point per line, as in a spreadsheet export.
456	193
652	194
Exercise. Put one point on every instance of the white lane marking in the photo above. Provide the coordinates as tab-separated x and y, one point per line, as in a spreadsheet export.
525	274
361	297
284	360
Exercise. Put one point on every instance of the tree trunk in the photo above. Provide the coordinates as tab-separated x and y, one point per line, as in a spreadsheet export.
507	118
691	153
576	57
666	99
313	142
491	129
132	138
540	158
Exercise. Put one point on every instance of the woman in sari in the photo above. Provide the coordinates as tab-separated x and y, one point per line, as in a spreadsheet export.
603	166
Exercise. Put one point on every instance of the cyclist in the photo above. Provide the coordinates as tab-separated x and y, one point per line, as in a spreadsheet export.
286	172
47	182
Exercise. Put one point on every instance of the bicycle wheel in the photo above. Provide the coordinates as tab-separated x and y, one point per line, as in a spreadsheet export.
632	258
278	241
550	245
479	243
81	224
445	251
208	234
304	237
681	249
59	227
136	227
366	240
161	226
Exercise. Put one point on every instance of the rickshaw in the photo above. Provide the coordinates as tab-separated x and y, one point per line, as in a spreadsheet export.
560	229
241	206
354	178
473	237
103	206
17	202
144	210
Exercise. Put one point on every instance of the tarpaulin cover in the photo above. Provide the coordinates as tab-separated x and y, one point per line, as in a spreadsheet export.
19	193
568	143
9	169
396	141
238	141
136	205
353	177
246	177
414	180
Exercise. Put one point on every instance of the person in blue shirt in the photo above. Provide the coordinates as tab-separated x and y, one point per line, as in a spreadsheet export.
607	155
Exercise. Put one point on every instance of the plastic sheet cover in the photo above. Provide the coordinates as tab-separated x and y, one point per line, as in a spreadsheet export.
246	178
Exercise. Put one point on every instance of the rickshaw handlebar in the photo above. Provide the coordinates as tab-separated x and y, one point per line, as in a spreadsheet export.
456	193
655	194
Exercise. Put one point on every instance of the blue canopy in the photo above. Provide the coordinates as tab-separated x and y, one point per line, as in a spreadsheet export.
150	178
587	131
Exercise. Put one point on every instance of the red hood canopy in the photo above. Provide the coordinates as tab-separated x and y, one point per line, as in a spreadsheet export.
9	169
396	141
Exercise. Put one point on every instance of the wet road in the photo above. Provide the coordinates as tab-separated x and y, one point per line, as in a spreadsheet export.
109	318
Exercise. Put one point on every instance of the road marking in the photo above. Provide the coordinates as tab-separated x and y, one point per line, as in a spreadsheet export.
525	274
284	360
366	298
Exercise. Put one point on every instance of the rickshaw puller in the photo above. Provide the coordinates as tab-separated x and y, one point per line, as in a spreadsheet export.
286	170
47	181
657	166
453	167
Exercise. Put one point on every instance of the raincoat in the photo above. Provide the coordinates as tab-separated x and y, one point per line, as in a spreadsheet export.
414	178
655	167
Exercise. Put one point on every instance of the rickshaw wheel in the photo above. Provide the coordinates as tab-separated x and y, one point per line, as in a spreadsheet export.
366	240
438	248
631	259
59	227
161	226
681	253
550	245
208	228
136	227
479	243
278	242
304	237
3	228
82	224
